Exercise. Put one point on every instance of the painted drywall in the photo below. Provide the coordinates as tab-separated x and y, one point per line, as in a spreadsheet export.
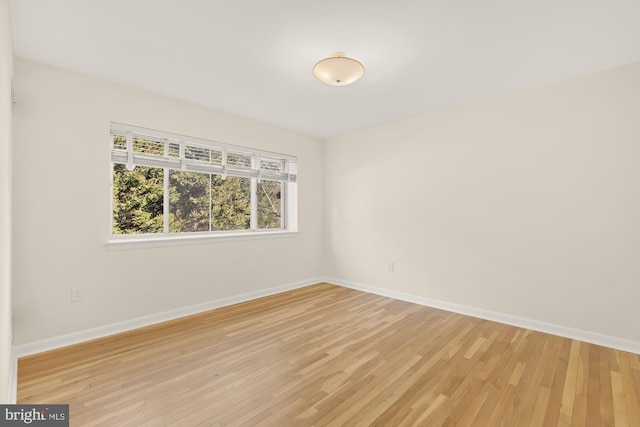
525	205
61	209
6	71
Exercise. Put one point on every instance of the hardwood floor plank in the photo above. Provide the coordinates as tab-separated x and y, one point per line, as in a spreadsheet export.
631	389
569	391
593	388
620	415
531	379
540	407
330	356
579	417
606	398
555	379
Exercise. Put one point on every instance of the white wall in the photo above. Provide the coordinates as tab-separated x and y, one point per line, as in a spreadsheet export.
61	205
527	205
6	71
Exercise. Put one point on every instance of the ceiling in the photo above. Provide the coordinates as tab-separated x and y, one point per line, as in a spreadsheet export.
254	58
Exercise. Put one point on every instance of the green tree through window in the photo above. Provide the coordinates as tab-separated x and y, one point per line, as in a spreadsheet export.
230	203
189	201
269	206
137	200
168	184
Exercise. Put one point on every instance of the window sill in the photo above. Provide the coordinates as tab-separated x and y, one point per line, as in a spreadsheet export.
146	242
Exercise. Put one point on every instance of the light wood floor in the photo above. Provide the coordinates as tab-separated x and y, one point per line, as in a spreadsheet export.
326	355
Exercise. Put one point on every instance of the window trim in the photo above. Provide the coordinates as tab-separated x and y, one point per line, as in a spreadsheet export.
147	241
288	178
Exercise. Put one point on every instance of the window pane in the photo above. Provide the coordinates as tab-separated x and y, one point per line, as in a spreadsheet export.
269	208
238	161
174	149
189	199
148	146
216	157
230	203
200	154
177	186
137	200
269	165
119	142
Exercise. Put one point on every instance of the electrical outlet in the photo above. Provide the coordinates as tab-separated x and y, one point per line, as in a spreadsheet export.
392	266
76	294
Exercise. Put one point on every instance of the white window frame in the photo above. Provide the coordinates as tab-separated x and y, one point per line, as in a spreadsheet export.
287	176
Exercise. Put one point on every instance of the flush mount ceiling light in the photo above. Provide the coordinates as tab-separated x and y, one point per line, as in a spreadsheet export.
339	70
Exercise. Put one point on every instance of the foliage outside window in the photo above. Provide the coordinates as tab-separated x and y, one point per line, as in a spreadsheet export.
171	185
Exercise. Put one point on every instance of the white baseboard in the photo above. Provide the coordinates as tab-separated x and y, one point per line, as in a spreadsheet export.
549	328
115	328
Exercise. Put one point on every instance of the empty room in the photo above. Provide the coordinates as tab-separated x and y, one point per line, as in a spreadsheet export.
289	213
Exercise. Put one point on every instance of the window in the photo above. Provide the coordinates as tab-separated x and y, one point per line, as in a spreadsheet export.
168	186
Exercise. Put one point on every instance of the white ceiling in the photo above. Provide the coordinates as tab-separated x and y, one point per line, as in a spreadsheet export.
254	58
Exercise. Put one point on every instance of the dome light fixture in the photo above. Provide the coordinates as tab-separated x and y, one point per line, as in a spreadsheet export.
339	70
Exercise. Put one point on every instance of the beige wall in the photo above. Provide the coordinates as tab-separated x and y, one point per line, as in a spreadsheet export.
527	205
6	71
61	204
